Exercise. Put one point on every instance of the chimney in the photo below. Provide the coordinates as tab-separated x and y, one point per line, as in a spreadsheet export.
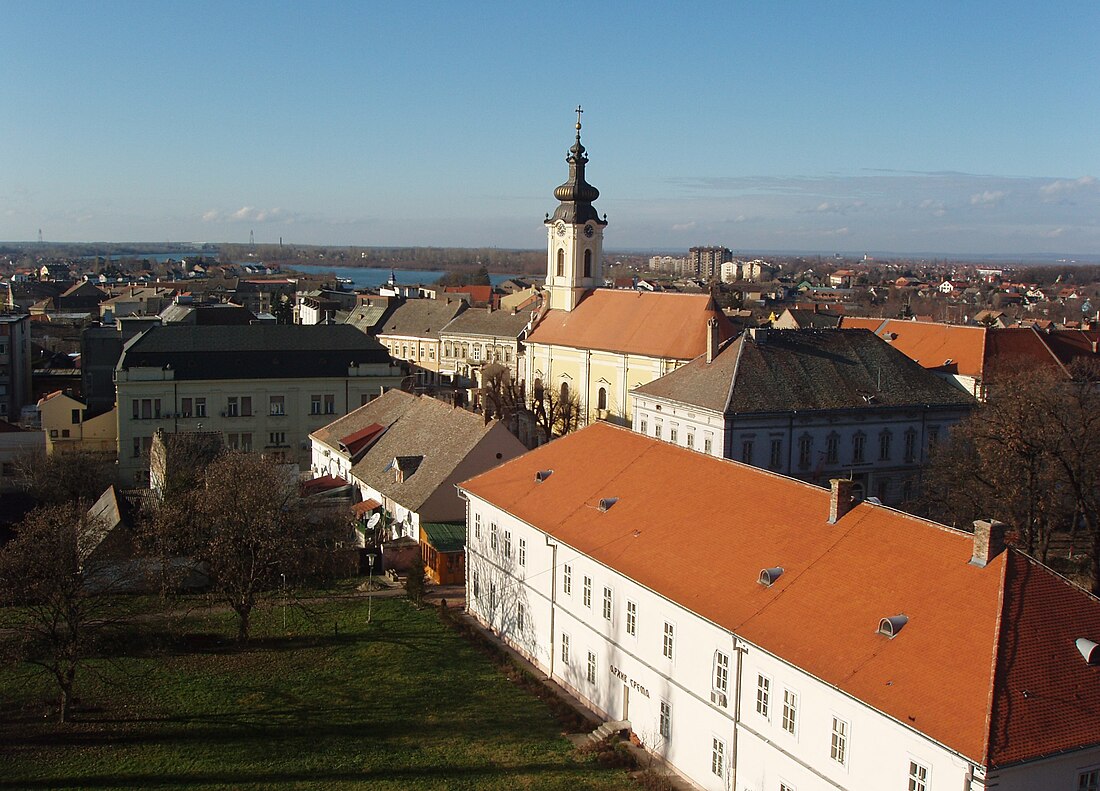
840	499
712	339
989	541
759	335
489	308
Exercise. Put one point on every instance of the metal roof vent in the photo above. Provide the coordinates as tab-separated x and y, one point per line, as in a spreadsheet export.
1089	650
607	502
542	475
892	625
769	576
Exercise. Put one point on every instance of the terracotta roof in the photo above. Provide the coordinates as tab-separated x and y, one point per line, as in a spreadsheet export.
805	370
929	343
359	440
976	637
663	325
1016	349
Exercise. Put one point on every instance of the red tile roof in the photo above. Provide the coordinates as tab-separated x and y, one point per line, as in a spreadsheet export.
360	439
663	325
929	343
959	664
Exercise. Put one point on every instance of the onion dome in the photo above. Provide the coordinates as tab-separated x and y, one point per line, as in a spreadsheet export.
576	194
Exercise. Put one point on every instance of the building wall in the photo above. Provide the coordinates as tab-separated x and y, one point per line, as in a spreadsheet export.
67	427
291	429
463	354
422	353
15	365
893	479
633	676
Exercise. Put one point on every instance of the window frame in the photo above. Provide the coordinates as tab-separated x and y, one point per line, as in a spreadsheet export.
668	641
631	618
764	696
838	742
789	721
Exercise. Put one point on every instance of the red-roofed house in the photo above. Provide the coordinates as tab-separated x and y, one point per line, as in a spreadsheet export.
594	343
763	633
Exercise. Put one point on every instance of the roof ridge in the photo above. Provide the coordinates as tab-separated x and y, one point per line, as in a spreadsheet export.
995	660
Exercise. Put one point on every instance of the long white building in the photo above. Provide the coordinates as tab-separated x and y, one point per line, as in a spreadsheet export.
764	634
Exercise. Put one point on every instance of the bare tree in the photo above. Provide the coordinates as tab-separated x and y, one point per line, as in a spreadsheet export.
67	476
556	412
58	595
247	524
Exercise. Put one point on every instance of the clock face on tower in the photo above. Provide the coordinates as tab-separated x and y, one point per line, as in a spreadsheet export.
561	229
589	230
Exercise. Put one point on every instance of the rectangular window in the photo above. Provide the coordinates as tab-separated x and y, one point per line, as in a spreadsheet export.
246	442
475	585
315	404
644	427
607	604
232	408
520	614
859	441
1086	781
790	711
746	451
146	408
587	591
672	434
832	449
763	696
691	440
523	552
721	679
910	446
591	667
475	352
707	445
718	757
933	437
632	619
669	641
838	750
477	526
666	720
137	447
200	406
76	416
277	405
492	596
330	404
276	439
493	536
805	451
776	454
186	407
564	648
884	440
918	777
508	543
246	406
567	580
656	431
233	441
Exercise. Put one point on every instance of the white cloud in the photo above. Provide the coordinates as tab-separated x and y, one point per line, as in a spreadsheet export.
1067	185
1053	233
250	214
686	226
987	198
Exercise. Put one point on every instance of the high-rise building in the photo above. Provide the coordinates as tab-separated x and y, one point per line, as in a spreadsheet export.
15	364
707	262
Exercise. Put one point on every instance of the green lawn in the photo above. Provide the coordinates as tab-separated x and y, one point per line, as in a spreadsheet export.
402	703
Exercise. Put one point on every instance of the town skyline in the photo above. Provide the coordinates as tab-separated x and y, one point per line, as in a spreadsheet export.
760	129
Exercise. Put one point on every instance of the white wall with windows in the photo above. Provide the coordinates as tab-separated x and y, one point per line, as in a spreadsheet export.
694	692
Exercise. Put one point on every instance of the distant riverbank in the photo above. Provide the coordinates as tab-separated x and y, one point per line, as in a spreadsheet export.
372	277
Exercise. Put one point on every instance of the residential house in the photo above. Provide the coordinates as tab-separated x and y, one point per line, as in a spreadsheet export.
70	425
411	333
763	634
264	387
812	404
405	453
483	336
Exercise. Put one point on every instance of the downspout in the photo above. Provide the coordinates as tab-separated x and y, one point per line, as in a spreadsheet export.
553	600
738	650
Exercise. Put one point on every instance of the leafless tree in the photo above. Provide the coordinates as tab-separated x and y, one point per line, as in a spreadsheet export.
67	476
556	412
58	595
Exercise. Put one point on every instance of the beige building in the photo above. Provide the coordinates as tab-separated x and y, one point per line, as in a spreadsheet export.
482	336
411	333
263	387
69	426
597	344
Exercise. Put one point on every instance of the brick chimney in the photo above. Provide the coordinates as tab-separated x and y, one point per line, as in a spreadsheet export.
989	541
712	339
840	498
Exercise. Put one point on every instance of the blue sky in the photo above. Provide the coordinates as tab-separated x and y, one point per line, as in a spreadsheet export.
917	127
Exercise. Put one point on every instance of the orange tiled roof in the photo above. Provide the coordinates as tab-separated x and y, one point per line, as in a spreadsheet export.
705	546
663	325
929	343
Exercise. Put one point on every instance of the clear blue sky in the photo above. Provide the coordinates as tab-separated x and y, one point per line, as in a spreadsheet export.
933	127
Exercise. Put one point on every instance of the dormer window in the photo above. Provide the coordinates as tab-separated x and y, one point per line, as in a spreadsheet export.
769	576
892	625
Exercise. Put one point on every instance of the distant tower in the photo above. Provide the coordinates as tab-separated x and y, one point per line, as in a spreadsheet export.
252	239
40	236
574	235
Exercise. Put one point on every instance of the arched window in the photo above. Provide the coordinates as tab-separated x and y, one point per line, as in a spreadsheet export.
601	398
565	392
588	264
561	262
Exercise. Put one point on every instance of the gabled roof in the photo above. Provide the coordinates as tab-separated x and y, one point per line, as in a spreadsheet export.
935	346
421	318
498	324
976	638
662	325
383	411
804	370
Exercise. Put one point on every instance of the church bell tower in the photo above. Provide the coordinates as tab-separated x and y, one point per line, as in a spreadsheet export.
574	235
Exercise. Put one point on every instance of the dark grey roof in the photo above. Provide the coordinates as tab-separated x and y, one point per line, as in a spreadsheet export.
499	323
805	370
814	319
256	351
421	318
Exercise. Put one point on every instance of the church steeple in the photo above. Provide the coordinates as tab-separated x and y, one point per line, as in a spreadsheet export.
574	252
576	194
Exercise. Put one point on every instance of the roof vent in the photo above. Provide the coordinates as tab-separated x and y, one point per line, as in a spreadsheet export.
1089	650
607	502
892	625
769	576
542	475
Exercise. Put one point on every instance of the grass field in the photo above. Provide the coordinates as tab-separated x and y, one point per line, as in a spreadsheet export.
404	703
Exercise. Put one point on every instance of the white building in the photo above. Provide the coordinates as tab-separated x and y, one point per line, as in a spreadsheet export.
763	634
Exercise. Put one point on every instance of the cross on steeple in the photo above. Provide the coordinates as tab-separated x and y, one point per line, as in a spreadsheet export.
579	111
